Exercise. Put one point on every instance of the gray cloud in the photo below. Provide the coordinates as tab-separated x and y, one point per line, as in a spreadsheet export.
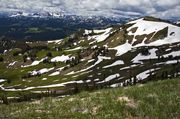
160	8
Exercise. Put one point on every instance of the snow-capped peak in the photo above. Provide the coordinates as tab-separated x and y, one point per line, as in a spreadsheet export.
20	14
37	14
147	27
140	31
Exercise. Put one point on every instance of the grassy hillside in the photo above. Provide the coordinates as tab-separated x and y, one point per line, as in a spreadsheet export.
134	53
159	99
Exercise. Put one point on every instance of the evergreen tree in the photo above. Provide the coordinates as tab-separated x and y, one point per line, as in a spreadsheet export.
24	58
1	59
135	80
49	54
5	99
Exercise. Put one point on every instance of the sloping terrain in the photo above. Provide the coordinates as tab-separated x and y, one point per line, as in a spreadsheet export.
10	44
136	52
158	99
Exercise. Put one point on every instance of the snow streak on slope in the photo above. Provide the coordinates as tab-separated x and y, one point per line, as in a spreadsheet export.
55	73
102	34
41	71
174	54
122	49
35	63
119	62
141	57
100	59
62	58
146	74
2	80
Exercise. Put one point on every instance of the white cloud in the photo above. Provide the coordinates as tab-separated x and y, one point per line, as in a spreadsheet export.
167	3
160	8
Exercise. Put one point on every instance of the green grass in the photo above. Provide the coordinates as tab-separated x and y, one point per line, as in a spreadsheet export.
158	100
34	30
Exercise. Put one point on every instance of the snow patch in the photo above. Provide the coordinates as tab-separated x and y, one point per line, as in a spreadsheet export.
5	51
2	80
122	49
141	57
91	60
56	41
116	85
146	74
77	48
174	54
35	63
172	62
119	62
44	79
100	59
131	66
99	38
62	58
55	73
12	64
42	71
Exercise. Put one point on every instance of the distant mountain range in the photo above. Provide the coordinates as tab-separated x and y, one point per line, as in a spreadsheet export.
60	15
52	26
22	26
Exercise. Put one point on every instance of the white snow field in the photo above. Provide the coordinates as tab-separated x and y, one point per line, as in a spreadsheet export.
62	58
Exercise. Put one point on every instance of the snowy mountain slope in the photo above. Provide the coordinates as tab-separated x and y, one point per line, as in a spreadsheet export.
144	27
143	33
122	55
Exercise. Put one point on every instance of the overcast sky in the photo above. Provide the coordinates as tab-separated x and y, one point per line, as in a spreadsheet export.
158	8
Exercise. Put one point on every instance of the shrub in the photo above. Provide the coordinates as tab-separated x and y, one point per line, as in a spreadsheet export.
1	59
16	53
8	81
145	52
24	58
49	54
46	61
